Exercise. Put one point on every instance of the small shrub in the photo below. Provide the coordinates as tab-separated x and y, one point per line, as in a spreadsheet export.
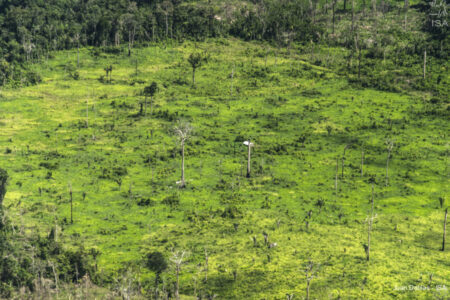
172	200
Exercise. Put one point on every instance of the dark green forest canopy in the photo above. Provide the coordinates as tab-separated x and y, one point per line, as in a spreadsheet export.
31	30
63	24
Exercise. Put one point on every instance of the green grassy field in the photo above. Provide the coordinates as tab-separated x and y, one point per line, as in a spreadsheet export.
301	117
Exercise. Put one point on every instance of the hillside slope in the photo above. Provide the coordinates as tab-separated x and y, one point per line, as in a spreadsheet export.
78	130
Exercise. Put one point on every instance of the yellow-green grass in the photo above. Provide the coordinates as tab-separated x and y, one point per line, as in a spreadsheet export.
46	123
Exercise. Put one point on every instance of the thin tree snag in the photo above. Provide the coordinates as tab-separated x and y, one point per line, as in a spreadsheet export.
424	64
309	272
369	227
249	144
232	76
183	131
343	160
71	203
206	265
389	146
336	177
445	225
362	162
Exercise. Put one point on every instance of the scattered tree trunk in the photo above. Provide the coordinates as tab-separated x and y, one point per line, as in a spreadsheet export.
87	113
3	181
369	227
390	145
309	272
71	203
232	76
362	162
334	13
445	225
343	160
249	144
353	14
424	63
145	105
177	259
206	265
336	177
183	131
406	19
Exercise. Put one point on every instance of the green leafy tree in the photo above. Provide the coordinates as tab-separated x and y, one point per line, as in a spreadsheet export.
157	263
150	91
196	61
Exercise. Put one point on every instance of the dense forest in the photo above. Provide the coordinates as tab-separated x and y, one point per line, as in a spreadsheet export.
293	149
32	29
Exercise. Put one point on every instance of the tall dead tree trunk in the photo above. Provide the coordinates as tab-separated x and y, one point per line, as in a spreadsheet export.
151	105
362	162
87	113
232	77
309	272
145	105
353	15
249	145
177	259
445	225
183	131
206	265
343	160
334	12
183	183
424	63
390	145
336	177
71	203
369	227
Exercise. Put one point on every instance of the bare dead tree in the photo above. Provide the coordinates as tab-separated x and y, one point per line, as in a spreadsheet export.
353	15
206	265
334	12
232	76
177	259
389	146
249	156
28	48
343	159
309	273
71	203
424	63
445	225
336	177
76	39
183	131
166	8
369	227
362	162
87	113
